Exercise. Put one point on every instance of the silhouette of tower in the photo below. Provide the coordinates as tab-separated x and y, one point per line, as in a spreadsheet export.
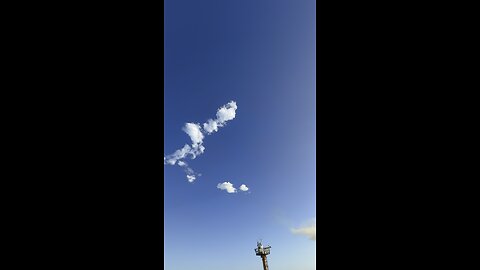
263	252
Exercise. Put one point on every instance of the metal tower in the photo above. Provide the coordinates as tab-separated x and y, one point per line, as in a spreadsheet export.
263	252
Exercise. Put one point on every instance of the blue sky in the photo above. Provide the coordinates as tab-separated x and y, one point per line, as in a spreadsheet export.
260	54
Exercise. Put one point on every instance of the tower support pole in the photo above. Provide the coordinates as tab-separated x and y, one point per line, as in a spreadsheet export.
265	264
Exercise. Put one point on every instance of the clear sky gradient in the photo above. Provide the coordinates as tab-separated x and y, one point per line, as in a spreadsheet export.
260	54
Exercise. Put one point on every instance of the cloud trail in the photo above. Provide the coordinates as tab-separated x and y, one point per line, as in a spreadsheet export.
225	113
309	230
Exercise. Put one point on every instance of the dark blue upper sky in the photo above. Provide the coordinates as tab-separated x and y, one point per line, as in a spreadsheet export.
260	54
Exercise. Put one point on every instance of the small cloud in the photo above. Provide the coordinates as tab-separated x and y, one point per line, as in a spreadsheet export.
191	178
227	186
310	230
210	126
243	187
226	112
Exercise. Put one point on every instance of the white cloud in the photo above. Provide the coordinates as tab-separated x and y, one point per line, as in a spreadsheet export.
210	126
227	186
191	178
309	230
197	150
179	154
243	187
226	112
195	133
